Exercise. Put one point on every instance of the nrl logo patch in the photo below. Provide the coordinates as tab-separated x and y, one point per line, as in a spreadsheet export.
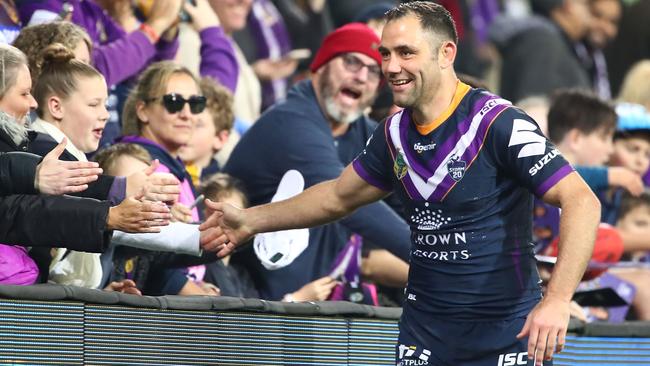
399	167
456	168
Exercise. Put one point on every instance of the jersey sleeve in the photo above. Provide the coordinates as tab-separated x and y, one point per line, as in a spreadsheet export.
374	162
523	152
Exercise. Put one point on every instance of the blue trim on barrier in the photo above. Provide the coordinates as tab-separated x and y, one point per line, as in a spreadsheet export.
44	304
256	326
42	313
614	339
35	328
555	363
604	350
601	357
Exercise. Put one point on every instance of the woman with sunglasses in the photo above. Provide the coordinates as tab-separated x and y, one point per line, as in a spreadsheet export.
160	114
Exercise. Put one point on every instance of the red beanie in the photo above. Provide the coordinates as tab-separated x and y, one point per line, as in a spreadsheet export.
353	37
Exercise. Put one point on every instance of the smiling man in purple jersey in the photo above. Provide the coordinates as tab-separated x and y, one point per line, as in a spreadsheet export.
465	164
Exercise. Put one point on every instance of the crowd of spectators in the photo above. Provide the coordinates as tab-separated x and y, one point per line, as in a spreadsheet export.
117	118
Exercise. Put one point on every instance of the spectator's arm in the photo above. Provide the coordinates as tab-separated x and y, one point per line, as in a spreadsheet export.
384	268
218	57
594	176
177	237
54	221
318	161
123	58
166	49
18	173
217	53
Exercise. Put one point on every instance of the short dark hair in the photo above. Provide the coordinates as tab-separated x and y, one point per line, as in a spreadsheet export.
640	134
220	186
579	109
629	203
433	18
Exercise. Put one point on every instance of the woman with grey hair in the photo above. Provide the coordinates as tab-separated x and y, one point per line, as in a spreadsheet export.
15	84
16	102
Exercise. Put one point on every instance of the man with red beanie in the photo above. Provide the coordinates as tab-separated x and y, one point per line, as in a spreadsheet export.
318	130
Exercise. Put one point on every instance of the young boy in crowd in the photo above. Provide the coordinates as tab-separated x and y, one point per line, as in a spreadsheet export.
582	127
211	132
631	145
145	267
634	219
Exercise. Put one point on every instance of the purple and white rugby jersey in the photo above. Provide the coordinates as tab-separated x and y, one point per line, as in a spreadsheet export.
467	187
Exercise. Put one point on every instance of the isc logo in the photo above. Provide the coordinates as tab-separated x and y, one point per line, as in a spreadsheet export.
511	359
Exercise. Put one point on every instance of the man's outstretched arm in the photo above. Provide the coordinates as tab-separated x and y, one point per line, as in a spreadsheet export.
322	203
546	325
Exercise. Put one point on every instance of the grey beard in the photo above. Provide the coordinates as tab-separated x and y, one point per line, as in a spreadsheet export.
334	112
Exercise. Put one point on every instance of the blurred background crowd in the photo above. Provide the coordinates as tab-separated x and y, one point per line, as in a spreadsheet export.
248	101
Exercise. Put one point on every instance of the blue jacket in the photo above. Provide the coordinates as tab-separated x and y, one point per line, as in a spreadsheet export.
294	134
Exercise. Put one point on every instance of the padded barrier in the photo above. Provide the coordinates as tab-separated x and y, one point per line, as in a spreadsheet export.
65	325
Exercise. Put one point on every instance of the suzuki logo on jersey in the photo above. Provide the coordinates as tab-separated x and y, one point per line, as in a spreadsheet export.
512	359
543	161
523	133
422	148
456	168
406	352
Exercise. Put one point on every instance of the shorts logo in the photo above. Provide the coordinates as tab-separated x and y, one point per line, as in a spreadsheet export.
407	357
399	167
456	168
513	359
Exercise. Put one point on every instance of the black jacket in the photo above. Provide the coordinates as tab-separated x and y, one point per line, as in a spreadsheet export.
17	173
40	220
17	169
54	221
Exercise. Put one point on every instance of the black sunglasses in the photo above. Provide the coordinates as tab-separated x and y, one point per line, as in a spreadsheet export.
174	103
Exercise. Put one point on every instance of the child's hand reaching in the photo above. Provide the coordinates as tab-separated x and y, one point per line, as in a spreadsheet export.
124	286
318	290
181	213
619	176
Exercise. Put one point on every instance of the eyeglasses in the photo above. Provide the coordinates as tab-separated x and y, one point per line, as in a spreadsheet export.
174	103
354	64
